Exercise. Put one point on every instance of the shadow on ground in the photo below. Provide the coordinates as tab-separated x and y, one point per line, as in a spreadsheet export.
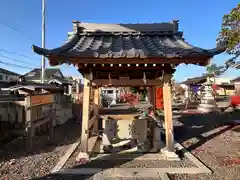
187	126
195	125
62	135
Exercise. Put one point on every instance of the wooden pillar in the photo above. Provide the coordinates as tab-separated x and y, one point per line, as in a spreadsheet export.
168	112
159	97
153	97
85	114
96	96
96	102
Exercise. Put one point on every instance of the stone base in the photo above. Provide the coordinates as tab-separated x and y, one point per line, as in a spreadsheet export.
171	156
158	144
113	102
82	158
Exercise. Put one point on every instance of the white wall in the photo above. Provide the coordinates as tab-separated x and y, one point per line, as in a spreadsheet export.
222	80
8	78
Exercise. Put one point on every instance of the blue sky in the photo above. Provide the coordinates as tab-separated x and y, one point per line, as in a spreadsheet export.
200	21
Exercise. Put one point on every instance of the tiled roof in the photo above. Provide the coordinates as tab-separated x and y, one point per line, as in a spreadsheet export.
236	80
195	80
4	71
127	41
237	65
36	73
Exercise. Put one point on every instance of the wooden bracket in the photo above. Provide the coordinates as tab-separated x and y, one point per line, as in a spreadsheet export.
144	78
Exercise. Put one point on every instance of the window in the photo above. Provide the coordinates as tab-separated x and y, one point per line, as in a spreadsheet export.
6	77
31	74
1	77
110	91
58	74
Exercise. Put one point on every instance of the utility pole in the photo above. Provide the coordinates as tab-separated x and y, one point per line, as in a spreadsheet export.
43	40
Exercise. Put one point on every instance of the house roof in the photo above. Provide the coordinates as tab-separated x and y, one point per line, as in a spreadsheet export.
32	87
36	73
7	72
196	80
60	81
90	40
236	79
237	65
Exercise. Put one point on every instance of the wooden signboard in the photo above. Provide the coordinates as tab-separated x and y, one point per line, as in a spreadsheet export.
159	98
42	99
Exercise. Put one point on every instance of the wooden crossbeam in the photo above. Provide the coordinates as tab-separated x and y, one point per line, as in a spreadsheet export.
200	61
126	82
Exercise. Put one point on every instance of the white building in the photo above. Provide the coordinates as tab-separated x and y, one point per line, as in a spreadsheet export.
111	92
8	76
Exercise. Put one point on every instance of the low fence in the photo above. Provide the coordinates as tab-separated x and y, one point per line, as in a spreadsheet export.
36	113
11	117
63	107
40	114
77	100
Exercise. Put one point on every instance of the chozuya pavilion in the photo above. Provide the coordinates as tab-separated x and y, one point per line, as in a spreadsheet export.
127	55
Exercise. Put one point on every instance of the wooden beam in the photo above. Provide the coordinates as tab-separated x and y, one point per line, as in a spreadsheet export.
168	112
29	126
66	156
125	82
91	144
203	61
159	67
85	114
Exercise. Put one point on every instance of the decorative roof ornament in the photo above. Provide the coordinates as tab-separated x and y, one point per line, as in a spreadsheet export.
96	54
176	25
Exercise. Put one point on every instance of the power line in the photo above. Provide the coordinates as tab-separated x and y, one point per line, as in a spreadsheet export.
10	52
15	65
17	28
17	60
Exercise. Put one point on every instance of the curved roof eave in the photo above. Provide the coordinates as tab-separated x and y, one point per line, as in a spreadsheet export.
64	49
47	52
216	51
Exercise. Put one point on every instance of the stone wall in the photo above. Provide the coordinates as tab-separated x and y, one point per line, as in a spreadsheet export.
11	116
63	107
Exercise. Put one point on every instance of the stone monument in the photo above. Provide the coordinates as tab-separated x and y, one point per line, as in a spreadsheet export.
208	102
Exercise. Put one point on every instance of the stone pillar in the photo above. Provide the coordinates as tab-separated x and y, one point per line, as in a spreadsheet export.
114	97
77	88
208	102
69	89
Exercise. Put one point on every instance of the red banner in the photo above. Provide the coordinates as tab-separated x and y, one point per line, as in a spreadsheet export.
159	98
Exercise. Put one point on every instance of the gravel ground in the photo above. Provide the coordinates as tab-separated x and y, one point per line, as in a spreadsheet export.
16	163
105	164
218	146
210	137
77	177
126	163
